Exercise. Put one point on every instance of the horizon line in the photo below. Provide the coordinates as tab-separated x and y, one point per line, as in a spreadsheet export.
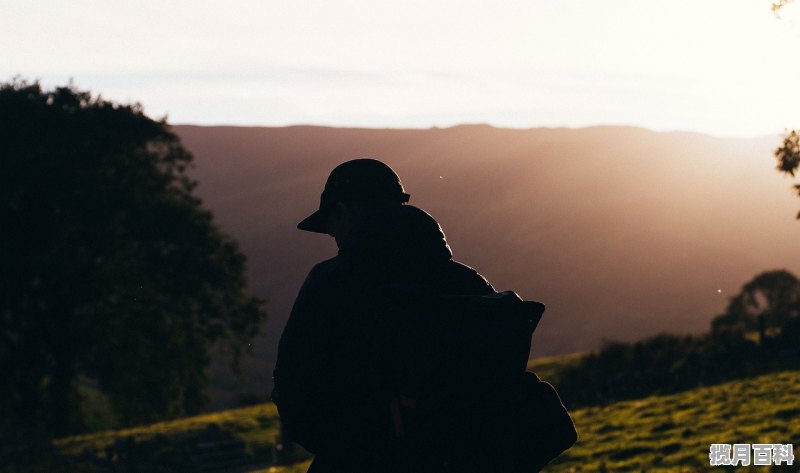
486	125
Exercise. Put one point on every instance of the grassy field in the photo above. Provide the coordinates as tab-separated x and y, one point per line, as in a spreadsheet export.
256	426
550	368
673	433
655	434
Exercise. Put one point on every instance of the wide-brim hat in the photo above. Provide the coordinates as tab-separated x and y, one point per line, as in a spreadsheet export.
365	180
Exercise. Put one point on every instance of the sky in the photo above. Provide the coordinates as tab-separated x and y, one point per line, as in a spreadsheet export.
722	67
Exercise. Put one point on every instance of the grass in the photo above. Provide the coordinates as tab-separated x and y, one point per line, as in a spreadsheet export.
673	433
301	467
670	433
257	426
550	368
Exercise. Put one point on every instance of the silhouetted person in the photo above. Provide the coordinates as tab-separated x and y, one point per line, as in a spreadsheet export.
333	384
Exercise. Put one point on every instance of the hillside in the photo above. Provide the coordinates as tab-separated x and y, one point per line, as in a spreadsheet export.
659	433
674	433
622	232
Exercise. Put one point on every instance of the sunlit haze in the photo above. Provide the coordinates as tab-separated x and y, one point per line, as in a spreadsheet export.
724	67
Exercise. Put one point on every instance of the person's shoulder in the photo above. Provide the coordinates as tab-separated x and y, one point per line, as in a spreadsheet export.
338	268
323	278
330	264
326	269
468	277
462	270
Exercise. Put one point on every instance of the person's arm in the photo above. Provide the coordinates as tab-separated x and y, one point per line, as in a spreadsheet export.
302	373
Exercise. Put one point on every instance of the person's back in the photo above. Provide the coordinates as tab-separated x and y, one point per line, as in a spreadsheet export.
334	384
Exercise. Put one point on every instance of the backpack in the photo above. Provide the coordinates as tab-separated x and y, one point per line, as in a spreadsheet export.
463	400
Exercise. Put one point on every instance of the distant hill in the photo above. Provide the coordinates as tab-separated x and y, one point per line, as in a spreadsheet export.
622	232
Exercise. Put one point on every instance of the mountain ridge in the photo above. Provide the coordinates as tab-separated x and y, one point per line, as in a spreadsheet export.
623	232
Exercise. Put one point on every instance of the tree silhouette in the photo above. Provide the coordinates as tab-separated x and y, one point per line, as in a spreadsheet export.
788	155
112	271
772	296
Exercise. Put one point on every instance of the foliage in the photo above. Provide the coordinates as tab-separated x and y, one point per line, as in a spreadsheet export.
551	368
658	365
772	296
112	269
669	363
788	155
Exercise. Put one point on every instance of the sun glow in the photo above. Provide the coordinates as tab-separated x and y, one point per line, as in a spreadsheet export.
704	66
